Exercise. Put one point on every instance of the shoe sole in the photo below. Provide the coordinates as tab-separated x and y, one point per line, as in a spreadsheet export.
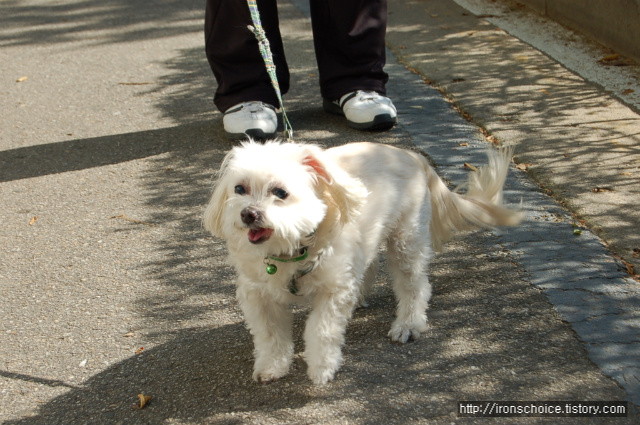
380	122
252	133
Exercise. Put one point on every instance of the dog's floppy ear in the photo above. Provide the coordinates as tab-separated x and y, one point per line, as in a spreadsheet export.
212	219
318	168
342	192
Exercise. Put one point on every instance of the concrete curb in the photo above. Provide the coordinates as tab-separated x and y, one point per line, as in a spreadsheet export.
615	24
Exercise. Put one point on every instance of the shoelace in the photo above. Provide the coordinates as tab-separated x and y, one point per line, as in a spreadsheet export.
368	95
254	106
360	95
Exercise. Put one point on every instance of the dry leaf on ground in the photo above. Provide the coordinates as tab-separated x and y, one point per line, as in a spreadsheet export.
144	400
610	58
522	166
471	167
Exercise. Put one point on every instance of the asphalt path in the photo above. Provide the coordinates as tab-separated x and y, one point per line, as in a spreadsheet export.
110	287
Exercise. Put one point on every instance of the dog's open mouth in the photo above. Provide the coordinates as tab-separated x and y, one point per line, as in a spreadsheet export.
260	235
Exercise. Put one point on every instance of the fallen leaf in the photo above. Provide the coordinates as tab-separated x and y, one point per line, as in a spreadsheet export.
598	189
469	166
610	58
144	400
21	79
33	221
630	268
628	91
522	166
129	335
493	139
626	174
636	252
577	232
463	144
140	350
614	60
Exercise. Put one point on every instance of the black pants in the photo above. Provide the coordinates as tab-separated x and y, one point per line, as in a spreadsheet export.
348	37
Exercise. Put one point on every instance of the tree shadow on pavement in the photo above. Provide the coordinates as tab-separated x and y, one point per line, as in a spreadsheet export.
578	143
61	157
490	337
97	22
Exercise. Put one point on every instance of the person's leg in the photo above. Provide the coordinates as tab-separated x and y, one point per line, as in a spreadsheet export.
349	39
234	56
350	50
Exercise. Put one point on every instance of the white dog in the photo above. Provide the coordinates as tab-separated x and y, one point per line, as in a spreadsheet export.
303	223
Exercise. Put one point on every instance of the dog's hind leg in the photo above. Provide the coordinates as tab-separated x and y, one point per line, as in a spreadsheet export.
408	254
270	323
367	284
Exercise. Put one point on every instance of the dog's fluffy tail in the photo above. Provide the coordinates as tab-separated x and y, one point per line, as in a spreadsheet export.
480	206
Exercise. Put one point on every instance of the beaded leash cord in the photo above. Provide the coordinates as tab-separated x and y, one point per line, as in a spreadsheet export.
265	52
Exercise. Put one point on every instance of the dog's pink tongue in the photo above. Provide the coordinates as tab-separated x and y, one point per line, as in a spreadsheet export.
256	235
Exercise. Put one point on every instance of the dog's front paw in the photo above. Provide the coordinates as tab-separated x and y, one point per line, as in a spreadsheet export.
270	371
267	376
321	375
403	332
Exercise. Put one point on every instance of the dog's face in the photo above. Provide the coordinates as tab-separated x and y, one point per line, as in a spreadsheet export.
269	198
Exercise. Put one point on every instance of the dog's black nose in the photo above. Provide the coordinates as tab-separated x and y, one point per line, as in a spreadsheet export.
250	216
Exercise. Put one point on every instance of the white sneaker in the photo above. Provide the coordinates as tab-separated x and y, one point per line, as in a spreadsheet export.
255	119
364	110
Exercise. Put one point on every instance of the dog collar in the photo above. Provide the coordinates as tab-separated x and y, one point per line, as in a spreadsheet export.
293	283
272	268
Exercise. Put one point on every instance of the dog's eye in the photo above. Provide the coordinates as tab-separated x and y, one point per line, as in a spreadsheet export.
240	190
280	193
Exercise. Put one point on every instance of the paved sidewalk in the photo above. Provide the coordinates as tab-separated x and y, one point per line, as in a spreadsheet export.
525	99
109	286
579	142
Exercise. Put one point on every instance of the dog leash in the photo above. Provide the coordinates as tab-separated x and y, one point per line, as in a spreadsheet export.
265	52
